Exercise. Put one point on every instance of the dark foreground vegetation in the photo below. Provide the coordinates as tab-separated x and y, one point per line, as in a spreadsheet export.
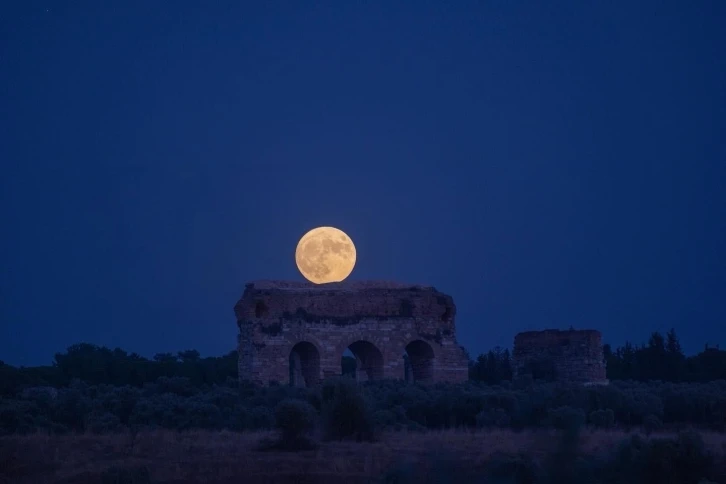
100	415
497	456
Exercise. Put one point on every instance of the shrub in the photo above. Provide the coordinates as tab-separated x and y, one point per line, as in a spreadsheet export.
120	401
603	419
687	454
72	407
523	382
567	417
651	424
514	468
345	412
177	385
385	419
294	419
683	459
101	423
259	418
493	417
16	416
198	414
564	464
236	419
183	403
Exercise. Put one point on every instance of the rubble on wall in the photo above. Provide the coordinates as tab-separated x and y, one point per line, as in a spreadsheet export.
573	355
379	320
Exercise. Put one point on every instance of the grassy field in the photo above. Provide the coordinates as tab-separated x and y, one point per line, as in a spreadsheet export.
173	457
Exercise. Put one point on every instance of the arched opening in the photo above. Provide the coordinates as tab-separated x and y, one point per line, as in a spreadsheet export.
418	362
304	365
348	363
368	361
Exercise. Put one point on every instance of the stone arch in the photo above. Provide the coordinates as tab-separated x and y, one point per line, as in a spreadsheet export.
304	364
370	362
421	361
349	339
294	337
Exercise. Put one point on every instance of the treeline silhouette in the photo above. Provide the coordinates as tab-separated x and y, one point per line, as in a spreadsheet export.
96	389
99	365
661	359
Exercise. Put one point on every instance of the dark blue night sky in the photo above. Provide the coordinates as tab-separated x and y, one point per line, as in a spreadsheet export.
545	165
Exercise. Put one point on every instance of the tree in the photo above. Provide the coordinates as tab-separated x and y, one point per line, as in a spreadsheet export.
492	368
656	342
165	358
673	346
188	356
675	358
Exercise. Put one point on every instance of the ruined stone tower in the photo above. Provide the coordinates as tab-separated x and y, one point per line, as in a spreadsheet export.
574	355
295	332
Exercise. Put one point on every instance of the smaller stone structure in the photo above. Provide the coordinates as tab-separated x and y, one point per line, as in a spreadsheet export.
572	355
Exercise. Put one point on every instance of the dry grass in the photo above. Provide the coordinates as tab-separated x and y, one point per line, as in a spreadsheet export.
199	456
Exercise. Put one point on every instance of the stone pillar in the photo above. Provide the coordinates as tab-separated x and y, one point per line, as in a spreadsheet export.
296	371
245	362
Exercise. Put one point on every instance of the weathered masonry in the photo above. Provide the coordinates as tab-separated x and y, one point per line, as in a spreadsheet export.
574	355
295	332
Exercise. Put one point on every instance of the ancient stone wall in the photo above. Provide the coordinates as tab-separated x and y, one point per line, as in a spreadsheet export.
573	355
297	332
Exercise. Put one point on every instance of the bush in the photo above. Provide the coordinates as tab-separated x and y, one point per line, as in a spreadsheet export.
680	460
259	418
517	468
493	417
178	402
687	454
564	464
345	412
567	418
102	423
603	419
72	407
294	419
17	416
177	385
651	424
385	419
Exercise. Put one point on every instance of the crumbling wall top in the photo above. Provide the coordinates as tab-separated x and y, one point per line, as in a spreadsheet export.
554	337
350	301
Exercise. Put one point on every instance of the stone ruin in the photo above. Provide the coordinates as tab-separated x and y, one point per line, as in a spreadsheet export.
296	332
573	355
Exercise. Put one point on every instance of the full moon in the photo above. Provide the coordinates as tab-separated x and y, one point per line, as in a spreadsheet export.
325	254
